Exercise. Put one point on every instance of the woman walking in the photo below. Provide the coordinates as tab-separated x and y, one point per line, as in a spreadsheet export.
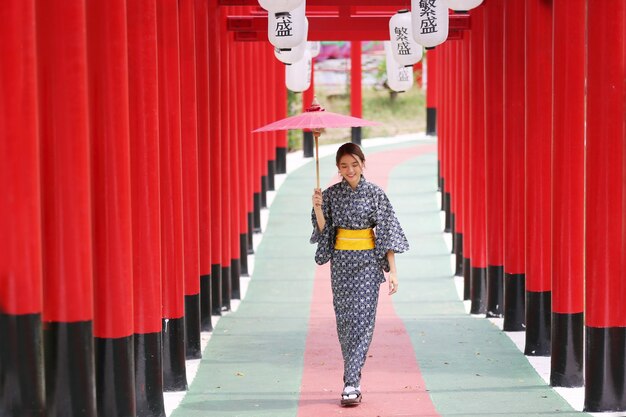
356	229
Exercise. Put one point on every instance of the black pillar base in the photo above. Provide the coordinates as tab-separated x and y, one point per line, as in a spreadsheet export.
70	369
192	327
22	391
495	291
566	361
257	213
250	233
431	121
538	312
478	293
514	302
605	368
264	191
458	251
443	195
174	371
271	172
206	303
115	376
243	252
227	289
439	175
216	289
148	375
281	160
446	207
467	279
307	144
453	232
235	273
357	135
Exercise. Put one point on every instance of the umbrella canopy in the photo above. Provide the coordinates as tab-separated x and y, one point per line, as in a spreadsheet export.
315	118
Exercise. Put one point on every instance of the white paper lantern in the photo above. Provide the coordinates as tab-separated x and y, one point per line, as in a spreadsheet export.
298	75
399	78
430	22
277	6
463	5
287	30
405	50
315	48
292	55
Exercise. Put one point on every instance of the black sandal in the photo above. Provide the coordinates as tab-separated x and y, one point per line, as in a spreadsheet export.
347	398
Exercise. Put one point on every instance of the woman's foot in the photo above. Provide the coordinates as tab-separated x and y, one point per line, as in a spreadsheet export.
351	396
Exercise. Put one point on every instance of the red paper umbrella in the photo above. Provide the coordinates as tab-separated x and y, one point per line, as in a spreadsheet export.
315	118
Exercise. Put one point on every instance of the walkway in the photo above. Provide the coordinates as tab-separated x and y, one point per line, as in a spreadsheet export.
277	355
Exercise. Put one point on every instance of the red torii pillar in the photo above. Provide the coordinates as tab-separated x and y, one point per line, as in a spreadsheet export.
144	152
257	138
443	131
265	117
458	221
307	99
568	163
605	315
356	89
226	138
494	118
66	208
281	112
477	213
243	176
240	226
250	115
456	165
206	220
464	173
272	78
450	143
432	93
436	71
514	278
21	355
172	239
450	48
234	158
538	267
189	142
216	141
107	55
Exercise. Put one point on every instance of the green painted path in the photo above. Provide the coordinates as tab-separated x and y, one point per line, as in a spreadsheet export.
252	366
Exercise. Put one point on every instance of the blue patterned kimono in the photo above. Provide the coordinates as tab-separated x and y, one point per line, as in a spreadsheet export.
356	275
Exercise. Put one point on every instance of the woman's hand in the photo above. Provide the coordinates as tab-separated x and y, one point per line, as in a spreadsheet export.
317	207
317	198
393	276
393	283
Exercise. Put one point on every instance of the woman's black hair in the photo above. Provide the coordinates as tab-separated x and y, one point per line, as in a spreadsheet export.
350	149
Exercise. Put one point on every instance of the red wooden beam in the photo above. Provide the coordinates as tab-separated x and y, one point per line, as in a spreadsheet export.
333	3
327	26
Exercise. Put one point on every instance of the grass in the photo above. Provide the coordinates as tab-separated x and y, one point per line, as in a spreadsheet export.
397	113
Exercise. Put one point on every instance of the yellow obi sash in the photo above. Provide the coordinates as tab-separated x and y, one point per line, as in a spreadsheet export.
355	239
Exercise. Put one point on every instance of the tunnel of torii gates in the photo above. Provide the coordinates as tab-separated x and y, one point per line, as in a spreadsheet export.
132	185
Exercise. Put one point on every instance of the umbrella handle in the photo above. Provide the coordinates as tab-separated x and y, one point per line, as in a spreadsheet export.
316	135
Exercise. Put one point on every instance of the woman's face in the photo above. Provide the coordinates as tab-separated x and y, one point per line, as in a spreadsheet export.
351	167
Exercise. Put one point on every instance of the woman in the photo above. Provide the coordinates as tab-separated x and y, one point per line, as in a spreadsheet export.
356	229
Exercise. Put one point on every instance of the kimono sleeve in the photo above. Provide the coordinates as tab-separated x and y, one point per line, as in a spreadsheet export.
325	238
389	233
